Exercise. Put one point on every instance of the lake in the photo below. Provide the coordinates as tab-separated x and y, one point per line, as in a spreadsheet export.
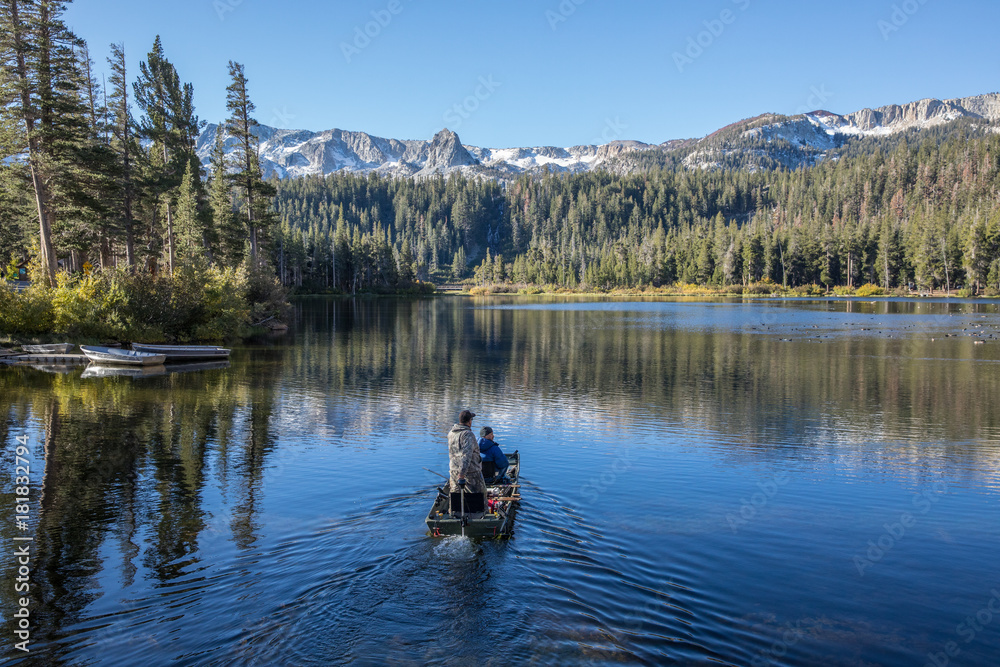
758	482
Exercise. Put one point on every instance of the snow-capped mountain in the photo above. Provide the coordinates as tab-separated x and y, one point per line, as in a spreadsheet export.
295	153
773	140
895	118
767	141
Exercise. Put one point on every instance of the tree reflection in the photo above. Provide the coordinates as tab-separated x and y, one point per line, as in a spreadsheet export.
121	466
746	381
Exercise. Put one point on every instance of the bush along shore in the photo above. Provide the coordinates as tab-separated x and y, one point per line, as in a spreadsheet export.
764	288
195	304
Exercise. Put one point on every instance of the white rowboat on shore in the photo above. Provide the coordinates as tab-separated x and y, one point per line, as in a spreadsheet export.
50	348
184	352
116	357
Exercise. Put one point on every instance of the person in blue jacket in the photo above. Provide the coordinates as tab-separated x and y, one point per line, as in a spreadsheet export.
491	451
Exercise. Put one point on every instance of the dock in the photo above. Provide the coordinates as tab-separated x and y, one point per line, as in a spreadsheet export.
48	358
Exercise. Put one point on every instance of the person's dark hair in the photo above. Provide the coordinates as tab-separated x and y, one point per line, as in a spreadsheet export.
485	431
466	416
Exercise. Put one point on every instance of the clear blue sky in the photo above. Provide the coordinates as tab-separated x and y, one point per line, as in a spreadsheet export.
556	73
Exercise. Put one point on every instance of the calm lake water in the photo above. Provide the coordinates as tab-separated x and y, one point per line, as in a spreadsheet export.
736	482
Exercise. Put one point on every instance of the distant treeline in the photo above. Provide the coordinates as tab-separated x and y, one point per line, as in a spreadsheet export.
920	208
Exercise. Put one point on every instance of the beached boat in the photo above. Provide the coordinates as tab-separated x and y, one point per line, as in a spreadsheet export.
116	357
489	517
51	348
184	352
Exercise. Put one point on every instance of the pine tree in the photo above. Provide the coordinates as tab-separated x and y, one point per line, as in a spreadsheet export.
189	224
166	123
458	264
247	177
38	48
122	128
15	206
229	230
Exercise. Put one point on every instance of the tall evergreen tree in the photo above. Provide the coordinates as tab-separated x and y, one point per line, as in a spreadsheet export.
228	229
163	102
34	47
123	143
256	194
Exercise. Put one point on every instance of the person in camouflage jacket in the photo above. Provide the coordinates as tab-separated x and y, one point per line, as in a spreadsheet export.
463	455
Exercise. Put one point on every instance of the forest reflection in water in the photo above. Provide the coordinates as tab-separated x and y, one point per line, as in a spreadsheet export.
140	480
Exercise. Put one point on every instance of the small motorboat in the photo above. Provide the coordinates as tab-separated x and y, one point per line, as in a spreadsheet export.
184	352
472	514
51	348
115	357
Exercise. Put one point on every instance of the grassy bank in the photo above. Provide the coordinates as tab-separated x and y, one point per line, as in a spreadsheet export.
761	289
686	289
196	304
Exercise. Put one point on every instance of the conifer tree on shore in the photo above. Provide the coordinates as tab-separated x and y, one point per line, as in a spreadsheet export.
246	177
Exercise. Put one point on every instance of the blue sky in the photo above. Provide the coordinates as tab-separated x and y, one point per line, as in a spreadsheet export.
556	72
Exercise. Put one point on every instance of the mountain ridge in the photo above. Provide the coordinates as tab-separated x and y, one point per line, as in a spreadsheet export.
769	140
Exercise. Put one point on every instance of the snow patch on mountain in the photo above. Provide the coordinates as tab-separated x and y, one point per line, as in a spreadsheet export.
764	142
297	153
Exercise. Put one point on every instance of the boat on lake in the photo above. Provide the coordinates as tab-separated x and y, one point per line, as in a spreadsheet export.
489	517
184	352
115	357
50	348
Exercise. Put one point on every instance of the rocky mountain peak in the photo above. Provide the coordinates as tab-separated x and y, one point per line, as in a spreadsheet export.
763	142
446	152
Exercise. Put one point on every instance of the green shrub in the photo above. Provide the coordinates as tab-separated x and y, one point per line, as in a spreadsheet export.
869	289
29	312
266	296
760	289
809	290
224	308
77	307
198	303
